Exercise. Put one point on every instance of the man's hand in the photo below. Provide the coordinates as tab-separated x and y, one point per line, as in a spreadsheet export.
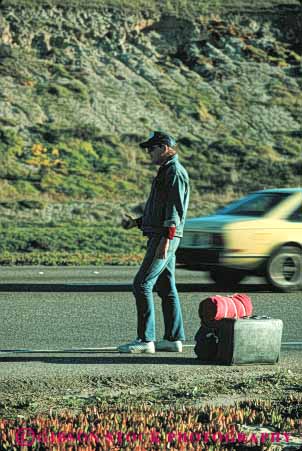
128	222
162	248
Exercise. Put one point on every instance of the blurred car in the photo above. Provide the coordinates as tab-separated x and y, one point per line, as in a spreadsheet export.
259	234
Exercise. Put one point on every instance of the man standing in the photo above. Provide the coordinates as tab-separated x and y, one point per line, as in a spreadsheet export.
162	222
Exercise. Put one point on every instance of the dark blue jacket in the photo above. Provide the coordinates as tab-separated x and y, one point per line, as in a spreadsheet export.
168	200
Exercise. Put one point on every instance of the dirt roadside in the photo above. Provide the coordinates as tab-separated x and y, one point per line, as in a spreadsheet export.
34	384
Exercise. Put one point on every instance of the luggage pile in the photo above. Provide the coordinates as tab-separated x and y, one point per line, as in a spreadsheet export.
230	335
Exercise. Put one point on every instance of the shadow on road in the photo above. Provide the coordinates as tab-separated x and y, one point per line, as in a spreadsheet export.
121	288
102	360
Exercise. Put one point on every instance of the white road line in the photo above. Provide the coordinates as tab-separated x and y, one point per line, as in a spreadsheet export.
289	343
107	348
292	343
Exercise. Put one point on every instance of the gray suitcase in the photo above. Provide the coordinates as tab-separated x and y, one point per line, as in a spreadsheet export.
256	339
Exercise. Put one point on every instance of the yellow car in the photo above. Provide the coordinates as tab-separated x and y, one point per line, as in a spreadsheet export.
259	234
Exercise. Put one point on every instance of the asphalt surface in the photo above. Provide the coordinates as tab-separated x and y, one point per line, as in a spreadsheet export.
60	327
14	275
90	317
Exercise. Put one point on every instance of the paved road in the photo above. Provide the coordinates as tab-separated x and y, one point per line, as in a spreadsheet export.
96	274
65	318
95	319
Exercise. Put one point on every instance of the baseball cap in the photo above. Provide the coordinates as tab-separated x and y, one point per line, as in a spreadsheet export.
158	138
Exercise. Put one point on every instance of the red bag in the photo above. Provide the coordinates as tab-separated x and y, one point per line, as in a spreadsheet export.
219	307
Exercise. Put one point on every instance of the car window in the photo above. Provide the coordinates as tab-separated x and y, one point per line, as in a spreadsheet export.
296	216
257	204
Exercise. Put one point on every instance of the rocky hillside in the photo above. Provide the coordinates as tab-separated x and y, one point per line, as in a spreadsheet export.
81	86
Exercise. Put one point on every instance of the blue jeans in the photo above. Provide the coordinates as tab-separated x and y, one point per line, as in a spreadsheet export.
162	273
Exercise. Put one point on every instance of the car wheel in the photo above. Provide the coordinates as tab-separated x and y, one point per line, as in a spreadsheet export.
226	277
284	269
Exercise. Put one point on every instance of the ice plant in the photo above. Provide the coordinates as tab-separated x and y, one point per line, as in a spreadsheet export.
147	428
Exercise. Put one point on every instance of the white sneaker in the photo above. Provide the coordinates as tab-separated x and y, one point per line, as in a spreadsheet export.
137	346
170	346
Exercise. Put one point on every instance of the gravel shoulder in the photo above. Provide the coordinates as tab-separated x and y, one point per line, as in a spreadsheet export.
32	384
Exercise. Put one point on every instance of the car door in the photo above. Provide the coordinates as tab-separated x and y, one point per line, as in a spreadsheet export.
294	221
